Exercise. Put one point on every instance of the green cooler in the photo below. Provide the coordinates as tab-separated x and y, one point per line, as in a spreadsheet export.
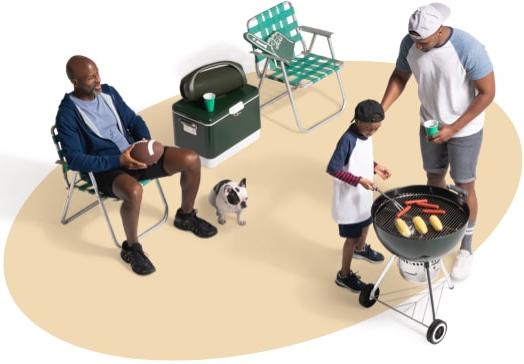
217	135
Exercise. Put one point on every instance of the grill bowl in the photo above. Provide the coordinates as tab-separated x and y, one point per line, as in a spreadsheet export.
421	247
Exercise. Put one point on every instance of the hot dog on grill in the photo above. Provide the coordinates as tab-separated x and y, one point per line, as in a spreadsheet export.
434	212
403	212
428	205
412	202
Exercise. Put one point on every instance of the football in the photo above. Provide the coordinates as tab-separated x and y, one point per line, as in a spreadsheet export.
147	151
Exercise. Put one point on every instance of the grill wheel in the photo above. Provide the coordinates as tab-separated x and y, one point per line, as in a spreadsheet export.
364	299
436	331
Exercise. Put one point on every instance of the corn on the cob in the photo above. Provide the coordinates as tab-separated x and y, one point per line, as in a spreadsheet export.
420	225
402	228
435	223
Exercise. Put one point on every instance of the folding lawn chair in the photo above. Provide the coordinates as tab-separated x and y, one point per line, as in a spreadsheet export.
87	183
273	35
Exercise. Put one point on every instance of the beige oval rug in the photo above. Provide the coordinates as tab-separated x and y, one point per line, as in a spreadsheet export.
262	286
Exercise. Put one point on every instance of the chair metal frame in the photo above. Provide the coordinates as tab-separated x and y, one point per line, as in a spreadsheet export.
272	60
88	184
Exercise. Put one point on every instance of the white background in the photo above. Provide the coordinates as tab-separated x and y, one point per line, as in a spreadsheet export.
145	47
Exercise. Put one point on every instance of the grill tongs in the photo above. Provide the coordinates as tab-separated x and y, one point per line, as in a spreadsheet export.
395	203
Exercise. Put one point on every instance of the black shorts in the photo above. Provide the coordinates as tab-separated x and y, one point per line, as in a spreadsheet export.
104	180
353	230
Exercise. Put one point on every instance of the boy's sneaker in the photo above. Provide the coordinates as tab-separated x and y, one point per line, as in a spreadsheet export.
135	256
368	254
191	222
351	281
462	265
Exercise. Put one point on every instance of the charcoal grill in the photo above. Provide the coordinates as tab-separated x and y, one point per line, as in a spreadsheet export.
423	249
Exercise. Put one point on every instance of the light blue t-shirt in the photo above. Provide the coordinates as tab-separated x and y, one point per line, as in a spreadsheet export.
444	76
100	116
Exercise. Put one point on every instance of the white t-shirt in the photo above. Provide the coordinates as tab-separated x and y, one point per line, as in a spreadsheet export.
352	204
444	76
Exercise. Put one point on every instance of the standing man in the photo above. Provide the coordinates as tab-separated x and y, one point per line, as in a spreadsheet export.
97	131
455	85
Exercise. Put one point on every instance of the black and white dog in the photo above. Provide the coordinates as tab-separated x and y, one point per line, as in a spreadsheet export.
229	197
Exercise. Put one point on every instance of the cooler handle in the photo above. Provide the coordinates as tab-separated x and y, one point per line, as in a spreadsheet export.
219	64
190	128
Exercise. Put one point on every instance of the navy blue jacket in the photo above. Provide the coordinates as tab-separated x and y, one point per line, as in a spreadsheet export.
83	149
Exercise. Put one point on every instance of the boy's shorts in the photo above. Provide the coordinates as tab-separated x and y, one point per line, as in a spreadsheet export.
353	230
461	154
104	180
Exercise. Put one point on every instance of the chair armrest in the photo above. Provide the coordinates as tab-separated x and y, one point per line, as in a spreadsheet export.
260	44
269	55
263	47
321	32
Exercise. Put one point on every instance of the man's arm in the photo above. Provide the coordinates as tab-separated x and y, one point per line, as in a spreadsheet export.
397	83
74	149
486	93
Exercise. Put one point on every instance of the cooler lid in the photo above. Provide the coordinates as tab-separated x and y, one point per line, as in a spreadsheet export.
225	105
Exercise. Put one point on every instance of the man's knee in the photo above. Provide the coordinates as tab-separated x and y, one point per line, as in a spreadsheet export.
192	160
128	189
135	192
180	160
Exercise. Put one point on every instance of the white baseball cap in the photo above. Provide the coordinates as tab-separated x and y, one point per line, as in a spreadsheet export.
427	19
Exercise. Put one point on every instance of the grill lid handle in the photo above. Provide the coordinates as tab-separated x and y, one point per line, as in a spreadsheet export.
458	190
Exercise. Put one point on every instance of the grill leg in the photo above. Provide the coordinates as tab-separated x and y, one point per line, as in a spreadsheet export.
446	275
382	275
426	266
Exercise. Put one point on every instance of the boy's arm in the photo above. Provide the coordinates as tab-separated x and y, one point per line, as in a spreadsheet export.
346	177
340	157
382	171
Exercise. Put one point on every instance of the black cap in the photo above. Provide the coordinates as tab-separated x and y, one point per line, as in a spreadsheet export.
369	111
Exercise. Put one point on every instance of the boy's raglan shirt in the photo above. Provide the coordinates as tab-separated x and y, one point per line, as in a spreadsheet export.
353	157
340	158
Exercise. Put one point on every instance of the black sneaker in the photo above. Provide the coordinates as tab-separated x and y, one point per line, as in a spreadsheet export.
135	256
191	222
368	254
351	281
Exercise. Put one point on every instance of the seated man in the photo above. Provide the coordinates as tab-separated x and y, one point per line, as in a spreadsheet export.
97	131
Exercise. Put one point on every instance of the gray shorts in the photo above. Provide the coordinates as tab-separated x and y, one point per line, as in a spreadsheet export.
461	154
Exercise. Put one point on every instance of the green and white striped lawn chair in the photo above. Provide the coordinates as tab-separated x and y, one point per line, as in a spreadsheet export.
272	60
87	183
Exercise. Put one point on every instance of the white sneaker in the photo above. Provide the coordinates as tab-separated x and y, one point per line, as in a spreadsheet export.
462	265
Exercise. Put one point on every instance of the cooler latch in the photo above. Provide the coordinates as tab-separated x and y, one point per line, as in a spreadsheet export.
237	108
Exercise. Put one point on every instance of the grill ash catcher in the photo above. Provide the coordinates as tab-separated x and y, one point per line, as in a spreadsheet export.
419	255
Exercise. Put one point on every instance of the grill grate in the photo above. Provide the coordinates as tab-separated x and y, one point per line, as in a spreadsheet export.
454	218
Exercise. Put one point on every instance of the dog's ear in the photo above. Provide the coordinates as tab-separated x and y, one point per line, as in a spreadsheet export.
243	182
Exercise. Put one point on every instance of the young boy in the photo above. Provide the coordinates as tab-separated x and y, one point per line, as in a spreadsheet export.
353	167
